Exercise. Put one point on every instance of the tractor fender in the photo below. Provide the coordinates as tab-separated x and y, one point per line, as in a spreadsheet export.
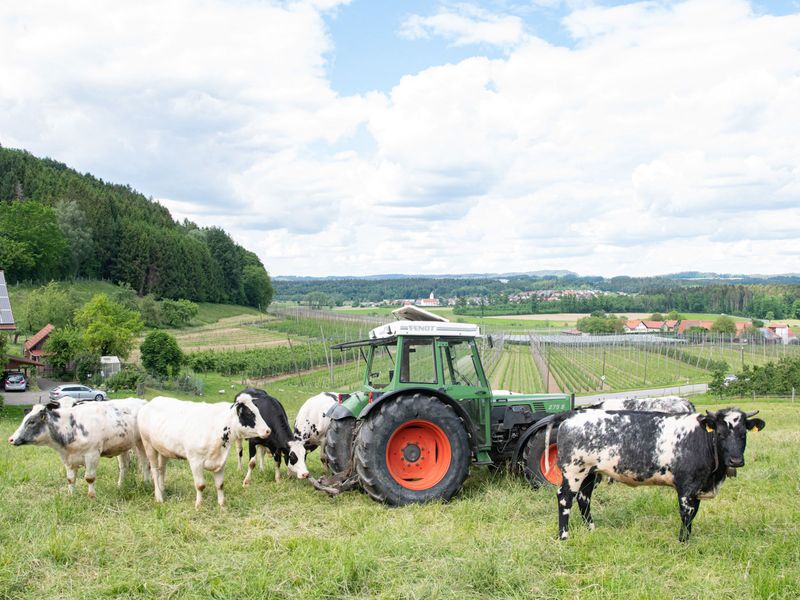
472	435
339	411
530	431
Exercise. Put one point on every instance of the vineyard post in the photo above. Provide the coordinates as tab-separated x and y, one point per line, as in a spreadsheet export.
645	366
294	360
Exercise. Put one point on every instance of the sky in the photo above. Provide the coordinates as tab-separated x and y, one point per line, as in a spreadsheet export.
337	137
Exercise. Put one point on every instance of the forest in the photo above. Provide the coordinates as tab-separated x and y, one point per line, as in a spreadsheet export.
109	231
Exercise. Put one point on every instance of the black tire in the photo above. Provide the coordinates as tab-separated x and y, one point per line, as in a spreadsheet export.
339	445
531	459
99	398
377	430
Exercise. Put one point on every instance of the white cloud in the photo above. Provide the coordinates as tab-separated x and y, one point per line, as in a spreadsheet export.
464	24
666	139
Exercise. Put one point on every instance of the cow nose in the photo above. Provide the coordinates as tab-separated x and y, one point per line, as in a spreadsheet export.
303	475
266	432
11	440
737	462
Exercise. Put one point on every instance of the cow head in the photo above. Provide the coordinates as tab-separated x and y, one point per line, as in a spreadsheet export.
296	459
731	426
249	422
33	429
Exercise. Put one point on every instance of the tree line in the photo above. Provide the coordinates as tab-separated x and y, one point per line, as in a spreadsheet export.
56	223
484	297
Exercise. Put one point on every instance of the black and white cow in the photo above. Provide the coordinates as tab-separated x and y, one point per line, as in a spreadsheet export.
311	425
689	452
281	442
667	404
83	432
198	432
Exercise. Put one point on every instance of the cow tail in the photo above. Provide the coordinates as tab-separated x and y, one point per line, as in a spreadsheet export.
556	422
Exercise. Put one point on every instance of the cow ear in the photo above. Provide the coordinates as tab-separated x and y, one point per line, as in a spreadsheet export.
755	424
708	421
52	405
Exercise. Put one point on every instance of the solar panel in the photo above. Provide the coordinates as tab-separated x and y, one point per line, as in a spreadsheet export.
6	316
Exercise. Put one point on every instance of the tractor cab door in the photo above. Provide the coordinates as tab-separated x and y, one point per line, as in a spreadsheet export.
465	382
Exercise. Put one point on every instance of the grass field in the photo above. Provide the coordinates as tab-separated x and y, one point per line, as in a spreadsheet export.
496	539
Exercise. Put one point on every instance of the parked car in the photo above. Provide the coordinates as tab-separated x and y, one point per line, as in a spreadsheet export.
15	382
729	379
77	391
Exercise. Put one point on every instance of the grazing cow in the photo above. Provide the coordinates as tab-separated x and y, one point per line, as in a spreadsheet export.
83	432
281	442
310	426
198	432
689	452
667	404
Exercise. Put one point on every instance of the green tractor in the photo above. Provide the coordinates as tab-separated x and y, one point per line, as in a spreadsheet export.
426	412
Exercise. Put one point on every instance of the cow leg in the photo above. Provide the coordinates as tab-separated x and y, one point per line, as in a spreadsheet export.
251	451
688	505
199	481
570	486
219	482
124	460
162	470
276	456
585	499
260	450
239	450
144	463
155	472
70	478
91	462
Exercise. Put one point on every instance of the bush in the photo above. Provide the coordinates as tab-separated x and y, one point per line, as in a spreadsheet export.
771	378
161	355
127	379
86	365
178	313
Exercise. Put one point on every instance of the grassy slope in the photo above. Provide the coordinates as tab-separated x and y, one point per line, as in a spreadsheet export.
496	539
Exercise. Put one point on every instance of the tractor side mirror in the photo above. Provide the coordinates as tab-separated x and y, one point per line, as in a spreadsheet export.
490	340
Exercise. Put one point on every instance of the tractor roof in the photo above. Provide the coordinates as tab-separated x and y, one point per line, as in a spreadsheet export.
415	321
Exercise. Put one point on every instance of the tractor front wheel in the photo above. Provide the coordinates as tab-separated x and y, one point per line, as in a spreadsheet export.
339	445
412	449
540	466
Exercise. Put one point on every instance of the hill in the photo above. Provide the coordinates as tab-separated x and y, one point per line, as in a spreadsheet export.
56	223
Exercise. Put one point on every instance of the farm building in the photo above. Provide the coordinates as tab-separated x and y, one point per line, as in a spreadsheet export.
7	323
33	349
109	365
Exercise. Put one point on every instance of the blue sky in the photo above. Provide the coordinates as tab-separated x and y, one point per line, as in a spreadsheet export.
338	137
369	54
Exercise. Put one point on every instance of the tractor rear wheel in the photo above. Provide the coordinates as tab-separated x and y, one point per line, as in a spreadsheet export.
538	468
412	449
339	445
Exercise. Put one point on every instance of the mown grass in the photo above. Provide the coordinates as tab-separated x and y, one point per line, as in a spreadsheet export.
494	540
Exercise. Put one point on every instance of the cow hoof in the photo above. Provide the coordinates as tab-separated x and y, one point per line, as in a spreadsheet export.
91	495
245	484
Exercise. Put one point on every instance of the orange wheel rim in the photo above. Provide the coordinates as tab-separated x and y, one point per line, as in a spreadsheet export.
418	455
553	474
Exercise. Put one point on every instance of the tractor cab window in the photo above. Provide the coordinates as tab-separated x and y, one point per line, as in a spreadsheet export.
381	367
417	362
458	364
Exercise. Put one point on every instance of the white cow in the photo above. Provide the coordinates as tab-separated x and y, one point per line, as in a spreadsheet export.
311	425
82	433
198	432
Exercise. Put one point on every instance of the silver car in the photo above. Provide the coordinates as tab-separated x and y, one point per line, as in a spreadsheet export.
15	382
77	391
